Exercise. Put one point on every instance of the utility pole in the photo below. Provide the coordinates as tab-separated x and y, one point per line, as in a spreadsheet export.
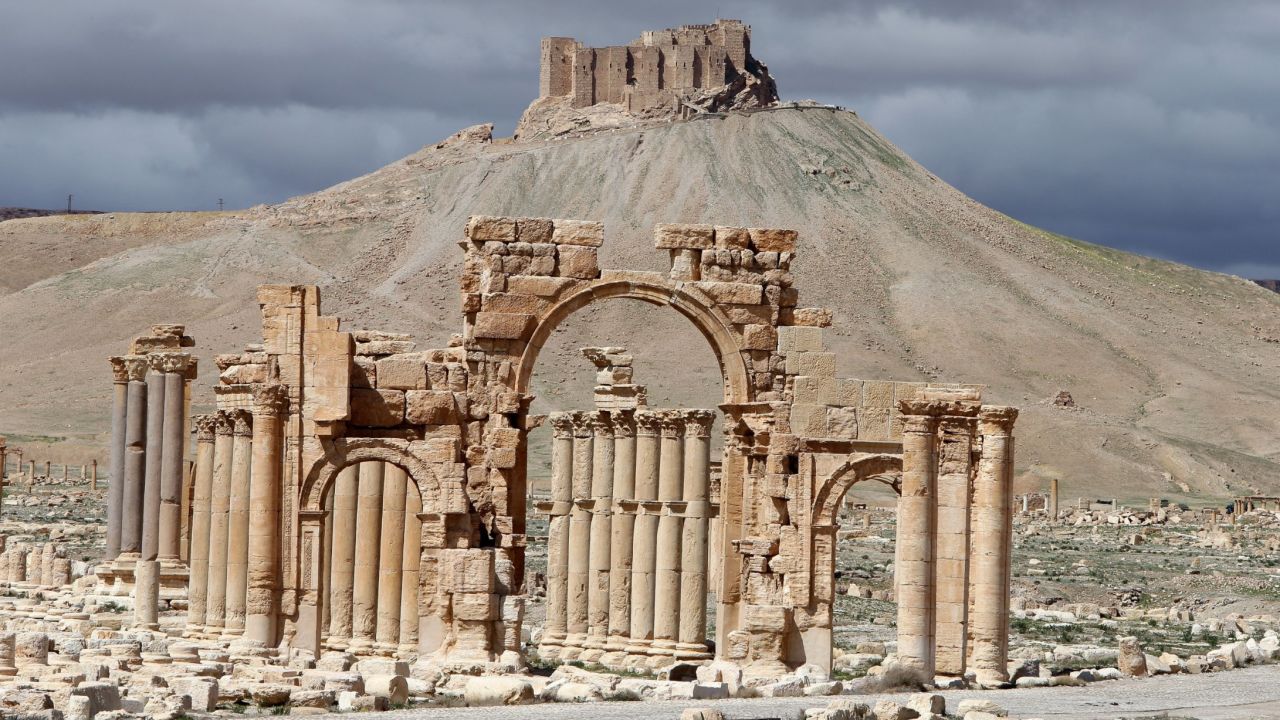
219	204
69	203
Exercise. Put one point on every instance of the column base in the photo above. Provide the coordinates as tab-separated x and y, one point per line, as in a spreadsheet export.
692	651
385	648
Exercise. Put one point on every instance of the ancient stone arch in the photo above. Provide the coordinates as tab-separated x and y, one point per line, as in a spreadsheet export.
314	398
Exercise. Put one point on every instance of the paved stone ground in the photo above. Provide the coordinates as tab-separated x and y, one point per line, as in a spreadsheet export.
1252	694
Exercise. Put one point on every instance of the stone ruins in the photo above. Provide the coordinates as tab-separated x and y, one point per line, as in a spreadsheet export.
354	494
663	68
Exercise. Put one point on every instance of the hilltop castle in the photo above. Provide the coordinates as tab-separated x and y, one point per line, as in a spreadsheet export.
660	69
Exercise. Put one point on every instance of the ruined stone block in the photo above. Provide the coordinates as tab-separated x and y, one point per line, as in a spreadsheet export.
669	236
813	364
811	317
759	337
430	407
874	423
732	238
406	371
504	326
364	372
765	618
578	262
377	408
534	230
586	233
773	240
877	393
483	228
539	286
842	423
475	606
800	339
510	302
729	292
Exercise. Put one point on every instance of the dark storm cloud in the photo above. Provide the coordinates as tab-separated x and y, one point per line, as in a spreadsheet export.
1151	126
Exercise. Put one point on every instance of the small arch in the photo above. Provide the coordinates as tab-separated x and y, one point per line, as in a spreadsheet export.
342	452
826	502
689	302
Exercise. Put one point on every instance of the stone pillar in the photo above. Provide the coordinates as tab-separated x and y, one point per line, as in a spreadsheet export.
1053	499
952	568
579	538
154	460
364	600
914	553
135	457
115	491
215	613
93	480
262	599
555	627
197	593
146	595
601	521
666	600
644	547
693	546
342	556
621	535
238	520
391	558
171	463
992	538
410	558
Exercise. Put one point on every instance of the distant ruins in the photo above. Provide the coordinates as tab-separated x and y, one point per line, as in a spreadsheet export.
660	69
354	494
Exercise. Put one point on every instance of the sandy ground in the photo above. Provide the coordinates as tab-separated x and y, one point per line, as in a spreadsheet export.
1250	694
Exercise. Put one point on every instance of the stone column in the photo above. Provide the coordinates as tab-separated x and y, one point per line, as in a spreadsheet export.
554	628
93	478
262	599
622	534
135	458
1053	499
115	491
364	599
146	595
693	546
601	521
171	464
914	553
238	520
644	547
410	559
579	538
391	558
952	591
155	457
666	601
197	593
992	535
342	556
215	613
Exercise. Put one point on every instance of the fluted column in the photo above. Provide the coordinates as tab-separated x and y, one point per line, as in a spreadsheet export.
175	369
644	546
197	593
238	520
135	458
155	457
601	517
914	551
215	614
342	556
410	559
693	560
554	628
952	568
115	491
992	536
579	538
262	600
364	602
391	558
622	532
666	601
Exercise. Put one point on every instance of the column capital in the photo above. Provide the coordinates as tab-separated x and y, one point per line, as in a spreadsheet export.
270	399
697	423
170	362
997	419
672	424
562	425
206	425
222	423
624	423
648	422
119	368
241	421
135	367
602	424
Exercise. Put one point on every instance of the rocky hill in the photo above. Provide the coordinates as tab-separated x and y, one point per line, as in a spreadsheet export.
1175	372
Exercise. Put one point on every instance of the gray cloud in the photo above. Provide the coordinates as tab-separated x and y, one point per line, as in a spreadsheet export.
1150	127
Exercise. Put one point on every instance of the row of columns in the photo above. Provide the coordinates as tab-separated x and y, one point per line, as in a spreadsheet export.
627	542
954	539
235	540
374	546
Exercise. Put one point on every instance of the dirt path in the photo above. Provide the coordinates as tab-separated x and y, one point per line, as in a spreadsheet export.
1251	694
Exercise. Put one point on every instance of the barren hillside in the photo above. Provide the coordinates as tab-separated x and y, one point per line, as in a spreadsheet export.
1175	371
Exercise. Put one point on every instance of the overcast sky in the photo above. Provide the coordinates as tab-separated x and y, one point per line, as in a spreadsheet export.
1150	126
